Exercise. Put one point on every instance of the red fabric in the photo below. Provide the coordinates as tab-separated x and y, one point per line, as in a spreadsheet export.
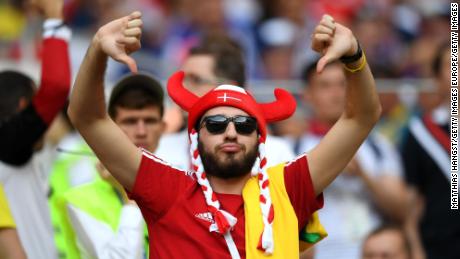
175	210
55	79
300	190
438	133
318	128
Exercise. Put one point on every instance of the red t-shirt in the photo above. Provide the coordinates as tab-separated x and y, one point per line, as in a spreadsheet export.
174	208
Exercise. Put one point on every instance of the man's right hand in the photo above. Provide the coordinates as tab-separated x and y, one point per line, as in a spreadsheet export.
119	38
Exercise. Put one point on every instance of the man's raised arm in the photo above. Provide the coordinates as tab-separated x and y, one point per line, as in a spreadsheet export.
87	111
362	108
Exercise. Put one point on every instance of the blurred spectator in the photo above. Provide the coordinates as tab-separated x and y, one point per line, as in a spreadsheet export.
426	155
369	189
208	64
73	166
97	218
10	246
386	241
394	117
24	118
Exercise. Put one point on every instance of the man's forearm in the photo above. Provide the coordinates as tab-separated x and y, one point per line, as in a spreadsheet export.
362	108
362	100
389	195
411	224
87	102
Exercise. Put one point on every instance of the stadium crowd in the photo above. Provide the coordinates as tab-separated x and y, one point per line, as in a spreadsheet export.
57	200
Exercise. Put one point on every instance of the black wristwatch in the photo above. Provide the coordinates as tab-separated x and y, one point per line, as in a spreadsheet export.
353	58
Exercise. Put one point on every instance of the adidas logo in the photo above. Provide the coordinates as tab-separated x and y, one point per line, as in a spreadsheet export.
206	216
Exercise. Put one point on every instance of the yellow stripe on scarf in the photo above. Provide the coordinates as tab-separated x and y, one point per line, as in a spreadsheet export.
285	229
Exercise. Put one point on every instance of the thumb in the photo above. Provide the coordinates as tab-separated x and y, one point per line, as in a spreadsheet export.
129	61
322	62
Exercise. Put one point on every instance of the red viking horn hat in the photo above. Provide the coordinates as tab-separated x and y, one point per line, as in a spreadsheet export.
226	95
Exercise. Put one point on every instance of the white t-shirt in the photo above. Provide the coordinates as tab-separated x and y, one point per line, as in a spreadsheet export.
26	188
174	149
96	239
350	213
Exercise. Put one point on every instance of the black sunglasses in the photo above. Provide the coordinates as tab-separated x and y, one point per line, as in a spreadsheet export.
217	124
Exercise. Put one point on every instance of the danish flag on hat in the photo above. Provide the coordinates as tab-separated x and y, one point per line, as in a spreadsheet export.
228	95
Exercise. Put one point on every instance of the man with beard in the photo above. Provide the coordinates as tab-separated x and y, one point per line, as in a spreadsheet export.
250	213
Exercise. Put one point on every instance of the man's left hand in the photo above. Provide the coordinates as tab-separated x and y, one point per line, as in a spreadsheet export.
333	41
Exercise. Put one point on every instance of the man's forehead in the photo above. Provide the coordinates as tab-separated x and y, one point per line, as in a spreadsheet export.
147	111
225	110
202	64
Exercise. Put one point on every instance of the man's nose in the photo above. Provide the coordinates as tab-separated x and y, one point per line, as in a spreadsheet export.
141	128
231	132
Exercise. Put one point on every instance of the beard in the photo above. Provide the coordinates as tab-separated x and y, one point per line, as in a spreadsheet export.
230	166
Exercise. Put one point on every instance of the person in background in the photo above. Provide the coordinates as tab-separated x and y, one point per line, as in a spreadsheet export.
98	219
217	60
369	189
386	241
24	118
73	166
10	246
434	228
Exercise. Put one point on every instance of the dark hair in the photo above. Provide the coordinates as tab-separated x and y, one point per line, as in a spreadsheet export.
436	66
227	55
13	87
392	227
136	92
310	70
